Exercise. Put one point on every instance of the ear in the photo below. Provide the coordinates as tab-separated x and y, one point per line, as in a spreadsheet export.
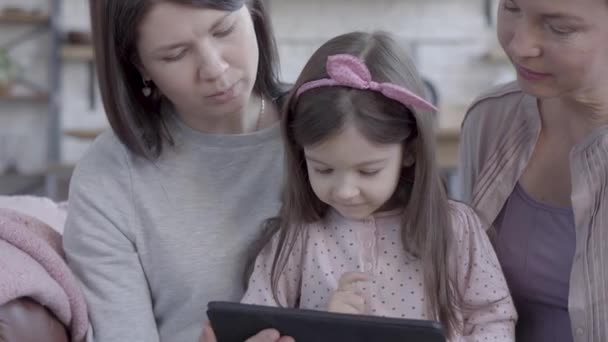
409	157
142	70
144	75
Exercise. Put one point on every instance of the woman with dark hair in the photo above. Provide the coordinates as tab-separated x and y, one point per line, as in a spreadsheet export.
163	207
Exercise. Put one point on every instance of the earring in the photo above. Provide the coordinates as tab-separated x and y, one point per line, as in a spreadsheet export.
146	90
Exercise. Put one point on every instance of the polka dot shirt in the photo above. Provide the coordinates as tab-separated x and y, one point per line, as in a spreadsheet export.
336	245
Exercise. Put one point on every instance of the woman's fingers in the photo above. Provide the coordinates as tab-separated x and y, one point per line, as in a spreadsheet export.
268	335
208	334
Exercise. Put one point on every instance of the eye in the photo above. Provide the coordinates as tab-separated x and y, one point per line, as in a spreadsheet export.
175	57
561	31
368	173
510	6
324	171
225	32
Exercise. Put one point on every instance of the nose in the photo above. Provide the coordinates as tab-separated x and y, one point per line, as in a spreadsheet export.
212	64
346	190
525	42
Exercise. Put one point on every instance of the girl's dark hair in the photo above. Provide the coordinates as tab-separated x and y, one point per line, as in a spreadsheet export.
137	120
322	112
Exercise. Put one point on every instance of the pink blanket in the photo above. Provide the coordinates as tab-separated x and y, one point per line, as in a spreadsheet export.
32	265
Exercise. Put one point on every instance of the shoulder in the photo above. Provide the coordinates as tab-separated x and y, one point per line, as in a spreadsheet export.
464	219
107	150
105	162
491	105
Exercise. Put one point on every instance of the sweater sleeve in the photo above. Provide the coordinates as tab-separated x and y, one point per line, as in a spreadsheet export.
468	153
101	248
259	290
488	312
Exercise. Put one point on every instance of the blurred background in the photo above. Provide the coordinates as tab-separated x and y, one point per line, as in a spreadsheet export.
50	108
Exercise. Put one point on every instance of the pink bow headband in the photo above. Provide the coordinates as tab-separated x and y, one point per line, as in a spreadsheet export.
349	71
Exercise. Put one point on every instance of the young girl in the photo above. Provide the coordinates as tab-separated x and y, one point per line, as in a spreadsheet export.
365	226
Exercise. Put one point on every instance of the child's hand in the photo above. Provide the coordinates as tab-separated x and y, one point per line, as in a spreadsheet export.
346	299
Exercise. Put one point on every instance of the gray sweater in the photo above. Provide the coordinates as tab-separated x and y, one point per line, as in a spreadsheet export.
153	242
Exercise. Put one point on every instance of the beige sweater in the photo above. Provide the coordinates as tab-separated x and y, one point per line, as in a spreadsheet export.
499	134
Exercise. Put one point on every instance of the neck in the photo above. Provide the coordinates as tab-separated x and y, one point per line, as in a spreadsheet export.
246	120
575	117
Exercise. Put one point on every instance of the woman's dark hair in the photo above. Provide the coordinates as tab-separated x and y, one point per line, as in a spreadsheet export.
136	119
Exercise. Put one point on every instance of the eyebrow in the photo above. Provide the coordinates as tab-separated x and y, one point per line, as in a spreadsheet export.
365	163
557	15
180	44
561	16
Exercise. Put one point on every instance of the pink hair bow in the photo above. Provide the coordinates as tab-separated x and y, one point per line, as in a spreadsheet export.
349	71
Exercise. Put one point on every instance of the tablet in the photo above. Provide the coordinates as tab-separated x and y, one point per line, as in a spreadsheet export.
235	322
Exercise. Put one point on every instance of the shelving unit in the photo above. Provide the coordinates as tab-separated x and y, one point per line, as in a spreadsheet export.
24	19
34	98
49	94
77	53
82	54
82	133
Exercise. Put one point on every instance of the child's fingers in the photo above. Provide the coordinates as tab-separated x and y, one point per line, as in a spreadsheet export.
347	302
349	279
346	309
354	300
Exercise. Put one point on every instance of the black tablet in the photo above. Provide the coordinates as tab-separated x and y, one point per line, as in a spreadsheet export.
235	322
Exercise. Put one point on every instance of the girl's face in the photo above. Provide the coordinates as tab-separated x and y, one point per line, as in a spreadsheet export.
558	47
352	174
203	60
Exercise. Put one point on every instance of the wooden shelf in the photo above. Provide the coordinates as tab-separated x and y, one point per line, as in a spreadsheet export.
448	148
10	18
447	143
81	53
448	135
84	133
39	98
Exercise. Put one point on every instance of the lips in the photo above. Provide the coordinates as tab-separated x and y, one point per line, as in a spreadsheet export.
224	95
223	92
531	75
350	205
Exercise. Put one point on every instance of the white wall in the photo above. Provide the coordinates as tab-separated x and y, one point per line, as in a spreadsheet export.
449	37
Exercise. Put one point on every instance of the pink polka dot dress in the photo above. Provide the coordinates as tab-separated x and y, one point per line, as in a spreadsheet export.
336	245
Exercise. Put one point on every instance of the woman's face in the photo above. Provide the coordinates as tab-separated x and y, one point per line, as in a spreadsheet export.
203	60
558	47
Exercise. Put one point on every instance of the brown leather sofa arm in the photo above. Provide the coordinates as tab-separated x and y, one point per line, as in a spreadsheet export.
24	320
